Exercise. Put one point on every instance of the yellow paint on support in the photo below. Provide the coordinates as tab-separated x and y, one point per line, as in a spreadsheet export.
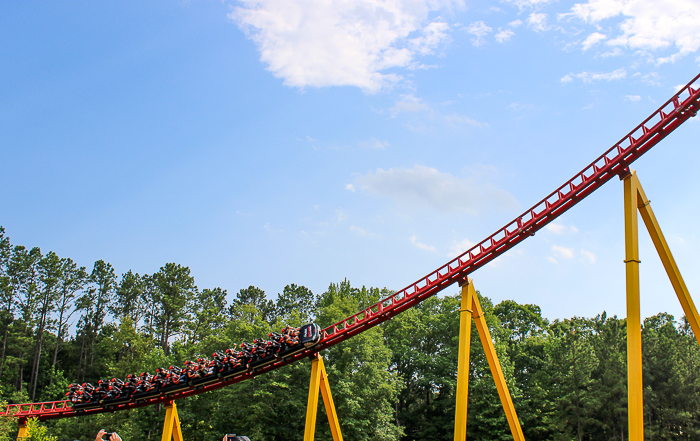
319	379
171	427
328	403
465	325
667	260
635	395
472	308
496	371
23	430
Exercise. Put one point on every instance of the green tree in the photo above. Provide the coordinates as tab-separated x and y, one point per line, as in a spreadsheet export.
173	296
255	297
95	304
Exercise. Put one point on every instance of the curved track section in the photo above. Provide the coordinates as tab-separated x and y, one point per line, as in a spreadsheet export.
614	162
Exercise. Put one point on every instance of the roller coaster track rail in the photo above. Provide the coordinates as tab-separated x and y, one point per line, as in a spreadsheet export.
614	162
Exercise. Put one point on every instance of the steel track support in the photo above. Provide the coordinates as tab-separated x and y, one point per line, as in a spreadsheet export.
171	427
471	308
23	431
319	380
635	199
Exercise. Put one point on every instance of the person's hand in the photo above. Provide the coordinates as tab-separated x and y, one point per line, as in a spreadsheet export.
114	437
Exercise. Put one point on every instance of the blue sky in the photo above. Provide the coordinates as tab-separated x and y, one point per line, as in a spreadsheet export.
266	142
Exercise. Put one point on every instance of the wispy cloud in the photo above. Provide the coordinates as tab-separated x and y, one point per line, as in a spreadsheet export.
588	256
561	229
504	35
589	77
362	232
456	120
479	30
374	143
408	104
458	248
632	98
566	253
421	245
537	21
648	24
318	43
592	40
423	187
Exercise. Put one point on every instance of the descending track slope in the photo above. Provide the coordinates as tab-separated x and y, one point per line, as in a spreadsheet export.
682	106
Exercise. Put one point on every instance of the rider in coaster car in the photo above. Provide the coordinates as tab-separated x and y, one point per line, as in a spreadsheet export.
233	358
290	335
190	369
159	379
145	383
176	375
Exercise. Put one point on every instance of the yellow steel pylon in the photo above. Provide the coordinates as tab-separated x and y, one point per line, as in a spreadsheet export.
171	427
471	308
23	431
319	379
634	200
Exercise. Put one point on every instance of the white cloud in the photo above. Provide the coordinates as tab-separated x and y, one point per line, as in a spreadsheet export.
479	30
456	120
421	245
374	143
552	260
269	229
632	98
588	256
408	103
318	43
566	253
592	40
458	248
648	24
350	187
528	3
589	77
515	23
340	215
362	232
503	36
425	187
560	229
538	21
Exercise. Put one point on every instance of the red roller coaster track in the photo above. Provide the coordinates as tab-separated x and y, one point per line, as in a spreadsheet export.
682	106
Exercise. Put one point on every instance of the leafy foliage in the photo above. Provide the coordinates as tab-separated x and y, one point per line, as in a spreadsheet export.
397	381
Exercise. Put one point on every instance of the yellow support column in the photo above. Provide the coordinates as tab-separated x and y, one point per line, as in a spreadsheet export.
171	428
496	371
635	395
319	379
23	431
465	327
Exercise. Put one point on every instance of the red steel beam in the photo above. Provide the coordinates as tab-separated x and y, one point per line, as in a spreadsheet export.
682	106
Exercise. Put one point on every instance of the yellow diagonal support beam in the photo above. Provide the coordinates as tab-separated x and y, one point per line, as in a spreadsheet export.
471	308
319	380
171	427
667	260
496	371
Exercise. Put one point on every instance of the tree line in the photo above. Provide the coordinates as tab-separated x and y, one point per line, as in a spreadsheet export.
62	323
